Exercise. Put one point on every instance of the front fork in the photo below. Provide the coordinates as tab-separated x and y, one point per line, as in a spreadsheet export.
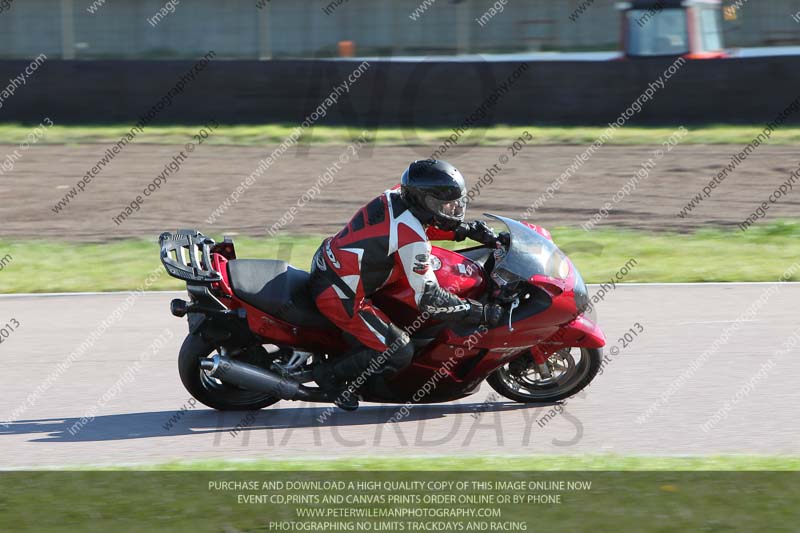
540	358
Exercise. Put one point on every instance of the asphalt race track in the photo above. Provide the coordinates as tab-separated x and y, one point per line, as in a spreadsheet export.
131	415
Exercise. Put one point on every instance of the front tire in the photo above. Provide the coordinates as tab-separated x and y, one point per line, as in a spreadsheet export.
209	391
521	381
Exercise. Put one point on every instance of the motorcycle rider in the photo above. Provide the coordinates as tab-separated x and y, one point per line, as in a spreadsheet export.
387	241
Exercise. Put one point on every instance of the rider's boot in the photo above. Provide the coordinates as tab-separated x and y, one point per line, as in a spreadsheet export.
342	378
333	377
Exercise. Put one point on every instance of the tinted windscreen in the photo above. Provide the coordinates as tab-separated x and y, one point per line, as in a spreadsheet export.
530	254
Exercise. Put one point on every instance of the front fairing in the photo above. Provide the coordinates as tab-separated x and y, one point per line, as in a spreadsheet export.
529	254
531	258
548	289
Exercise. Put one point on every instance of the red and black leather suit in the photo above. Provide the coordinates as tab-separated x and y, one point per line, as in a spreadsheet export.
383	244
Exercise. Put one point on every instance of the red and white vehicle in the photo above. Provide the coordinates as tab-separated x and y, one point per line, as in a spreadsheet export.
668	28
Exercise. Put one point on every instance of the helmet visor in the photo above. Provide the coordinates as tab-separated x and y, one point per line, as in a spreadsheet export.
449	209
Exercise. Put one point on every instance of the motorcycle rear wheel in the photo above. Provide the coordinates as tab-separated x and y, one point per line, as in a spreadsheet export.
210	391
518	380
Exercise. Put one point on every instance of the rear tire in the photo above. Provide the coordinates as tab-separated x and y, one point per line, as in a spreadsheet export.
209	391
576	378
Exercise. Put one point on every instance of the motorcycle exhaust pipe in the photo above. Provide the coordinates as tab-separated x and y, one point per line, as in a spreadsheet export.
251	377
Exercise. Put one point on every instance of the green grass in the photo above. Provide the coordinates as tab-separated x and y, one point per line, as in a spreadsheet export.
624	494
762	253
259	135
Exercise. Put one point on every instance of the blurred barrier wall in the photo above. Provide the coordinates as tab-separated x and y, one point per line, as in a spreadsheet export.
412	93
107	29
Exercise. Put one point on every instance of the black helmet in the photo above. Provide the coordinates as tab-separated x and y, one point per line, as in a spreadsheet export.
435	193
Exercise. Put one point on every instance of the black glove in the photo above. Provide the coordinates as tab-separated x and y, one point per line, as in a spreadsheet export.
489	315
493	314
504	238
440	304
477	231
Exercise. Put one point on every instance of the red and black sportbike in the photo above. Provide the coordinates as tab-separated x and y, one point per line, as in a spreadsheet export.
255	333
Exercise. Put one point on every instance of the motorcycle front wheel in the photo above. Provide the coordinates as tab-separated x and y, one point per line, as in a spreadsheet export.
562	376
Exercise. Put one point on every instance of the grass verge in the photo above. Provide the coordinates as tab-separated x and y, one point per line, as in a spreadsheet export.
258	135
762	253
600	493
